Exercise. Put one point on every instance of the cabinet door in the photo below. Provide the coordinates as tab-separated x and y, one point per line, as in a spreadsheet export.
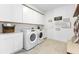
11	12
10	43
17	12
39	18
30	16
6	44
5	12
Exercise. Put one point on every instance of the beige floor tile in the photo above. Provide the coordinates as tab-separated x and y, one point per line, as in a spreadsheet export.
48	47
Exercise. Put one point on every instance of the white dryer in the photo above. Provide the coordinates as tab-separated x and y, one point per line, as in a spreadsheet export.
41	36
30	38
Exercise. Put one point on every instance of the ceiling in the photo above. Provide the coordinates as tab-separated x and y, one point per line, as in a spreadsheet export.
46	7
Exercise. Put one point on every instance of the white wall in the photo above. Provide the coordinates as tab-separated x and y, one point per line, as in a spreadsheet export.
65	11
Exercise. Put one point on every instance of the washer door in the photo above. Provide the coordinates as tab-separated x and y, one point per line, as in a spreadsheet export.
40	35
32	37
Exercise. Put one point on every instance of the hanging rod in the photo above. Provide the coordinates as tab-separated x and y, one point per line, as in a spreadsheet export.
32	8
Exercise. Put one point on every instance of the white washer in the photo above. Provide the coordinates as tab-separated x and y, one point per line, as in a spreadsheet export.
40	36
30	38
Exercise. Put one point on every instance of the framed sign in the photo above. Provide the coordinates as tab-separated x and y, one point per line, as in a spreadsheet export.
58	18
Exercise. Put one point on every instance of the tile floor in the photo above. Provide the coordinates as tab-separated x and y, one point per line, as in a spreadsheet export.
47	47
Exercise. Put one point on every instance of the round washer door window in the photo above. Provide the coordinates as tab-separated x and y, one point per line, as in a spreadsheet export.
33	37
41	34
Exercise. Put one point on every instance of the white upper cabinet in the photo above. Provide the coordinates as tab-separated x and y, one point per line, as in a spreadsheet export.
17	12
5	12
31	16
11	12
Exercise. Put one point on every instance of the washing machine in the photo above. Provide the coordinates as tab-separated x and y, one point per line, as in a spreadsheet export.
41	36
30	38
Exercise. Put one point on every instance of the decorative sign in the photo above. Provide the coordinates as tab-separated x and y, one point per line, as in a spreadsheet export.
63	24
49	20
66	19
66	23
58	24
58	18
57	29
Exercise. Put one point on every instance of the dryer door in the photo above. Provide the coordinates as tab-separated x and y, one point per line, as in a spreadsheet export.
33	37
